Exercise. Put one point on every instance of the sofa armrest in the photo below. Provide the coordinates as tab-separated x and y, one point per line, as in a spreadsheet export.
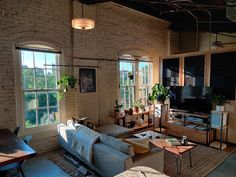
109	161
154	159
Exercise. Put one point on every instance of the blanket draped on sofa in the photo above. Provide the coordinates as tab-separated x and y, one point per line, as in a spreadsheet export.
83	141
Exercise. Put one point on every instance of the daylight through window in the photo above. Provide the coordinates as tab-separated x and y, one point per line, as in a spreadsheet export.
39	88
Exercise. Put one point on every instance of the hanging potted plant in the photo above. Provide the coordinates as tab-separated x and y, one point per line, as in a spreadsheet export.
117	108
220	101
65	83
160	93
131	76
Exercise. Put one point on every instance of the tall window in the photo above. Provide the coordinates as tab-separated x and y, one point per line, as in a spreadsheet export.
39	88
130	72
127	83
144	81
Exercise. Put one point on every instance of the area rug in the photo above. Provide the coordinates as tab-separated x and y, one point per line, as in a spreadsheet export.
204	160
59	159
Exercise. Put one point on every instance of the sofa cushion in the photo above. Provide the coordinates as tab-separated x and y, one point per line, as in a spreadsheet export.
140	146
114	130
117	144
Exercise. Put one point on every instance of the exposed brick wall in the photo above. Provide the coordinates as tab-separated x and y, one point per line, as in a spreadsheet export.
117	30
22	21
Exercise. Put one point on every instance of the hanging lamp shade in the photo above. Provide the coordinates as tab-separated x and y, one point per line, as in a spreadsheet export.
83	23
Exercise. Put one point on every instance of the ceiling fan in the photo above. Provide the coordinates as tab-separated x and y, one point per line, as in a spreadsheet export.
217	43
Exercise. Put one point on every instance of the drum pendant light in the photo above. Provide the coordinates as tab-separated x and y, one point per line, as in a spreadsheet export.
83	23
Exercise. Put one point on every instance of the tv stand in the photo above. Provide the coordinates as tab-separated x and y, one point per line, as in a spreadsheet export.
196	126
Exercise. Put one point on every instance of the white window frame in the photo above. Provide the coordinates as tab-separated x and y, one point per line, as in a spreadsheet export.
126	87
19	94
137	85
147	86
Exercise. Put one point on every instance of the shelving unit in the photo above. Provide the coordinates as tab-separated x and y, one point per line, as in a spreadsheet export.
196	126
161	114
219	121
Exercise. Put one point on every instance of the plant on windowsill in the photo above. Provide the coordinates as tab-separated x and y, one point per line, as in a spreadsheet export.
117	109
64	84
138	104
159	93
220	101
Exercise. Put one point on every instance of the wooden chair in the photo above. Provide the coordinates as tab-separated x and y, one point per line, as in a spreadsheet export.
17	165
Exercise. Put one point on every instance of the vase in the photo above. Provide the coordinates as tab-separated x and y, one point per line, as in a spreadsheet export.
116	114
136	109
139	121
220	108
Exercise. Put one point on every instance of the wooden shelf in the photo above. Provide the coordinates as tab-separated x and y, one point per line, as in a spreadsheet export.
160	130
216	144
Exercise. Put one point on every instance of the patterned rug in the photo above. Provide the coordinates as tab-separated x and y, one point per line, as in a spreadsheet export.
204	160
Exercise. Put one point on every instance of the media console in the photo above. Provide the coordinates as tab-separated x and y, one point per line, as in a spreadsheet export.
196	126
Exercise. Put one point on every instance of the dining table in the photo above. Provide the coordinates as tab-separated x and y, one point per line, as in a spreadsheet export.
13	149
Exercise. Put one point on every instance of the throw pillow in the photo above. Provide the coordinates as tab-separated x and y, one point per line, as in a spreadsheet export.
139	148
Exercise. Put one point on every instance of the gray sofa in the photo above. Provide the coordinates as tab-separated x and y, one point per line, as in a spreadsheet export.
110	155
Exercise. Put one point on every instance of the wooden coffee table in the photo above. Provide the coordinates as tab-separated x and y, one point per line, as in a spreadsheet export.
159	140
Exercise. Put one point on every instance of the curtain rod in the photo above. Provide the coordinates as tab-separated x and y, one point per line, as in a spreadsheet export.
110	60
38	49
78	66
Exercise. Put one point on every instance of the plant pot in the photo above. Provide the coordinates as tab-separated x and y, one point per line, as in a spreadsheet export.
116	114
136	109
131	77
220	108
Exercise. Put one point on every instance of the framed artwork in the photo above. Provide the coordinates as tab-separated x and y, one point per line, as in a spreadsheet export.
87	80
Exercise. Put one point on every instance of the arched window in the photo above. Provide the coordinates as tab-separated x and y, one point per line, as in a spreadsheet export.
37	78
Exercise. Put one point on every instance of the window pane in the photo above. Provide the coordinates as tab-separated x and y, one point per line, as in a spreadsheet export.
51	79
39	78
52	99
30	118
43	116
51	60
28	78
39	59
53	114
42	100
29	100
27	59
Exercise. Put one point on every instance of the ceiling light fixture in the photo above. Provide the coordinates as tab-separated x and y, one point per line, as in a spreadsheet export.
83	23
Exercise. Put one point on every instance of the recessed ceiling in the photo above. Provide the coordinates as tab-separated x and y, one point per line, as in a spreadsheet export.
184	15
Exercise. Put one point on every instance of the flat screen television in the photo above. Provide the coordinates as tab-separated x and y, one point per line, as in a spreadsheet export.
191	99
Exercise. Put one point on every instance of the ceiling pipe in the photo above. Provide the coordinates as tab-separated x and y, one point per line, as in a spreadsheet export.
209	13
197	30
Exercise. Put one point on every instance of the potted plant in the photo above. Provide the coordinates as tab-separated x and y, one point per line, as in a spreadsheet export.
131	76
160	93
65	83
220	101
138	104
117	108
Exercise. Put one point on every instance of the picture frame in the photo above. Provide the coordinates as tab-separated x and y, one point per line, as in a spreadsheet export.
87	80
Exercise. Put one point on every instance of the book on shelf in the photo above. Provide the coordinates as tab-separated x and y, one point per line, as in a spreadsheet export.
173	141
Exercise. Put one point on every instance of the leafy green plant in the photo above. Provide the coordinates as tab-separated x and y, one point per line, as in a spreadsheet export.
159	93
118	106
65	83
138	103
219	100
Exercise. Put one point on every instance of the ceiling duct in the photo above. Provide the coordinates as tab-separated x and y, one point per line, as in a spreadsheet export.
231	10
